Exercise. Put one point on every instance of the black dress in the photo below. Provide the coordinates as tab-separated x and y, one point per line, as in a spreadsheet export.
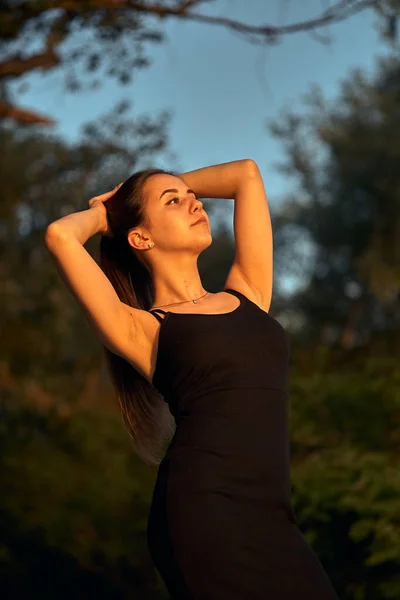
221	525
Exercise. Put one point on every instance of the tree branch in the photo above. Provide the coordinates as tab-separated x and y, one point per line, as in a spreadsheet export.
17	17
342	10
15	66
21	115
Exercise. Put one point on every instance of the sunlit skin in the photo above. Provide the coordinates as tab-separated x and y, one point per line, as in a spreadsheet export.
177	242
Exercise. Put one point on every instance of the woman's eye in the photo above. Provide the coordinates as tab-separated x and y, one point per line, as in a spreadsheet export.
175	199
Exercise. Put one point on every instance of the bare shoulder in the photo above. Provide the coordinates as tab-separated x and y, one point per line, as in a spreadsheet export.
141	333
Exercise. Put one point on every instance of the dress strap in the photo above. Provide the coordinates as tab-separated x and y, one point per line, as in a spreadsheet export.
234	292
154	313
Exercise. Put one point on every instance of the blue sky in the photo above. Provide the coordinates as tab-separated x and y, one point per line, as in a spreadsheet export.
220	88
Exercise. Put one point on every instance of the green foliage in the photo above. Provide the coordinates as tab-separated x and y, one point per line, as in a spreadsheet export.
345	402
345	442
72	487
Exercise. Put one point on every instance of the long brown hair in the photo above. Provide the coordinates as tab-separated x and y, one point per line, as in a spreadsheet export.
145	413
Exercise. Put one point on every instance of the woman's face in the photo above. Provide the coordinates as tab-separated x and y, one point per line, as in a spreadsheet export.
172	210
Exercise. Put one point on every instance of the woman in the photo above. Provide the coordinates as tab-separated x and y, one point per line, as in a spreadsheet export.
208	370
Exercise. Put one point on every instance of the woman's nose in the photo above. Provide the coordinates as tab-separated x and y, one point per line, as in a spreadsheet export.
197	203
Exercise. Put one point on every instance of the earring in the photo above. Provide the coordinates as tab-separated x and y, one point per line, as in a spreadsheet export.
150	245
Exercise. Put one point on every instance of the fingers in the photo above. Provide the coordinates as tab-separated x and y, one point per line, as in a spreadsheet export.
105	196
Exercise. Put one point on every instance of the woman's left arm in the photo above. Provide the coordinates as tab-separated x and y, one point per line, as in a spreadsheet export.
252	268
217	181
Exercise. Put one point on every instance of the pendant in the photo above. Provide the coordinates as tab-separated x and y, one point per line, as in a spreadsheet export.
195	301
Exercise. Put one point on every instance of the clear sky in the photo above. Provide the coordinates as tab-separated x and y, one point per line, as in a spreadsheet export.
220	88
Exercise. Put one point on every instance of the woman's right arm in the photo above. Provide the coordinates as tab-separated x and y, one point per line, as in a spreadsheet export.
112	320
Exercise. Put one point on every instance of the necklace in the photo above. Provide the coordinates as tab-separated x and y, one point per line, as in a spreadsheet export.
194	301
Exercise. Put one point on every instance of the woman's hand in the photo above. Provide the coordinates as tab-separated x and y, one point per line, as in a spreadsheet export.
97	202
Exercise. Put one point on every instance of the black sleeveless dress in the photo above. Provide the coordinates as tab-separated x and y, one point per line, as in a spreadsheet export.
221	525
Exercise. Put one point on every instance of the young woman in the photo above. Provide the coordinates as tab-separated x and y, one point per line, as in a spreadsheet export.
209	370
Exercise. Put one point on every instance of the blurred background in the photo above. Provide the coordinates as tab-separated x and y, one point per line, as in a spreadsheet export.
91	92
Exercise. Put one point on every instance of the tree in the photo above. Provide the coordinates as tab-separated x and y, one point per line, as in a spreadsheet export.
347	207
345	443
111	35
